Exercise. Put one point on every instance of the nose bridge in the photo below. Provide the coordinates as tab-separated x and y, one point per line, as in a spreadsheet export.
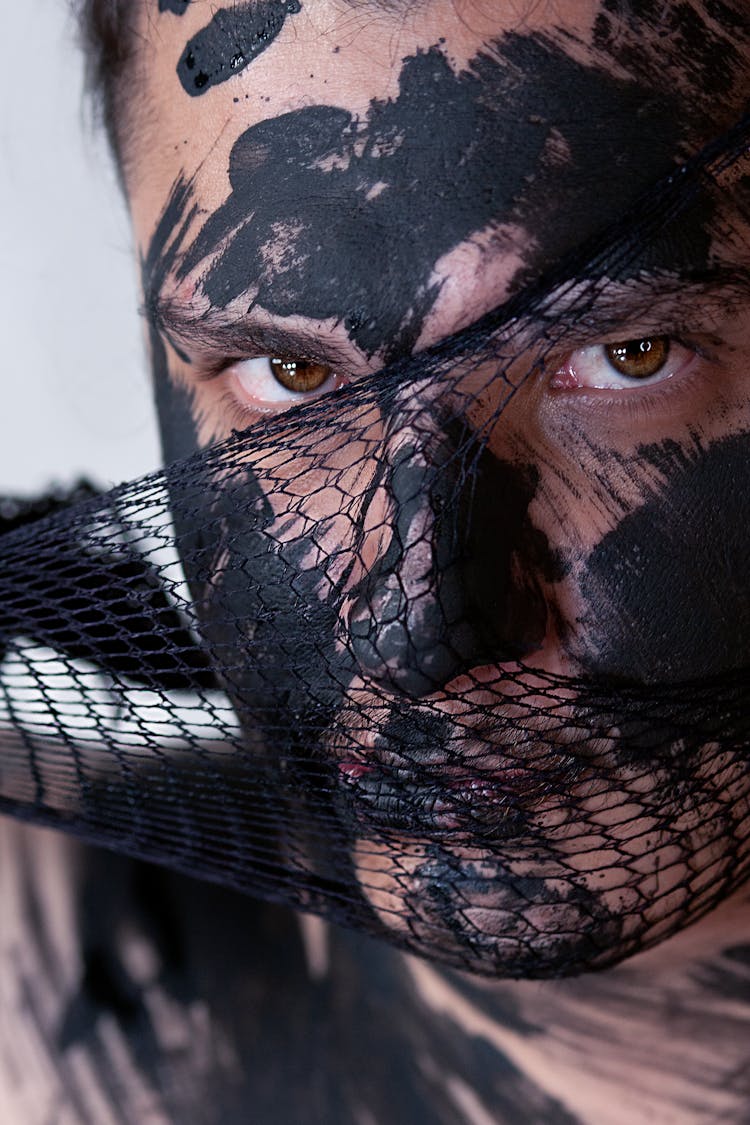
408	625
462	576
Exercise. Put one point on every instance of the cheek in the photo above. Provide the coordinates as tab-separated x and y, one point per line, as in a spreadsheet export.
269	623
268	543
656	582
665	592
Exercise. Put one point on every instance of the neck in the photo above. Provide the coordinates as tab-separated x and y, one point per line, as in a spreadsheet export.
661	1037
194	996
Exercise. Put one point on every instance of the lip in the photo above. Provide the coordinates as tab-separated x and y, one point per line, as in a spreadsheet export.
476	761
469	798
469	808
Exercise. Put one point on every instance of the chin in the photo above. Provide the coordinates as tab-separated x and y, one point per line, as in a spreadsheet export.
520	849
523	915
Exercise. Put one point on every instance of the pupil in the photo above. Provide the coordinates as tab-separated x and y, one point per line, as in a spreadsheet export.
639	359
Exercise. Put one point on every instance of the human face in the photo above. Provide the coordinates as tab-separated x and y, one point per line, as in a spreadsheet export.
465	577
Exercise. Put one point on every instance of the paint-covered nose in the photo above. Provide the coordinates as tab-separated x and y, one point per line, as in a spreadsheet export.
408	625
409	643
455	585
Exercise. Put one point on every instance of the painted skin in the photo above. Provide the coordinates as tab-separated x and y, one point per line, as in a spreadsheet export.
341	223
506	1051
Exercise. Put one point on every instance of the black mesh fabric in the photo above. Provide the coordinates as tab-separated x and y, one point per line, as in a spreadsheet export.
253	727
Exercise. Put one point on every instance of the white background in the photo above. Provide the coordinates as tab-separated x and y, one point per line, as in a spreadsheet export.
75	395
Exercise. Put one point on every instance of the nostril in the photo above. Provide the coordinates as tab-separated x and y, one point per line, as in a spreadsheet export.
403	643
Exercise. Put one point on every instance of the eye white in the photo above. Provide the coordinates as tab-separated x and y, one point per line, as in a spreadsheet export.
260	387
590	367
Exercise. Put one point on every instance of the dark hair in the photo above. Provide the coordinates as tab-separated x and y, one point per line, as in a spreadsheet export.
107	35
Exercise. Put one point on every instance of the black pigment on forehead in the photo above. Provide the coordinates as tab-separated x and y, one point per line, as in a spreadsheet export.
179	7
665	592
333	216
234	37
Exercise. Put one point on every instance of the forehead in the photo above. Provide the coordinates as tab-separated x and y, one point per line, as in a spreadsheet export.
329	52
440	125
283	54
338	52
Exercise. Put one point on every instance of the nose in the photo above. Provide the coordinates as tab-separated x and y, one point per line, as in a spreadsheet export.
458	584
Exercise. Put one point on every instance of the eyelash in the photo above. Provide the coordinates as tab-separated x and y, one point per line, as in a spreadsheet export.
571	373
238	414
636	399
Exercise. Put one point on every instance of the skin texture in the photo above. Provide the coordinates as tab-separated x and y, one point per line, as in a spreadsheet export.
328	194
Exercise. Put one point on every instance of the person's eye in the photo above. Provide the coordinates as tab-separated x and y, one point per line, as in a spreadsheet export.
277	382
623	364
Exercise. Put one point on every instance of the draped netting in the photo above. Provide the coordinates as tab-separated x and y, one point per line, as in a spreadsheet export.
277	665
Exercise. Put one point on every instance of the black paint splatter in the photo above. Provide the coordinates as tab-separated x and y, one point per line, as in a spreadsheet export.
708	48
234	37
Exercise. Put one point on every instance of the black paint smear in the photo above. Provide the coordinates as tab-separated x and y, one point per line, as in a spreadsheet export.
415	644
445	887
156	265
482	600
710	57
271	610
174	406
270	617
179	7
332	217
270	631
244	961
666	591
179	435
116	894
234	37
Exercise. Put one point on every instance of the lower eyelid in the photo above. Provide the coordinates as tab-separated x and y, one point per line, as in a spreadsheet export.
567	379
627	407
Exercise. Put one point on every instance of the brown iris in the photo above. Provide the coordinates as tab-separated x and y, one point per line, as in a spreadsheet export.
299	374
639	359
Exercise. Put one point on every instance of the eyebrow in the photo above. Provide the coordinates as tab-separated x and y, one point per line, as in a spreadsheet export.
191	328
646	296
652	299
646	224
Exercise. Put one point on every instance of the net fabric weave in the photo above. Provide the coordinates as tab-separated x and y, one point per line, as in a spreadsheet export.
328	714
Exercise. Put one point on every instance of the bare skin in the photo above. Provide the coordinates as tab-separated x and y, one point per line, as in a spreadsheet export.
660	1037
